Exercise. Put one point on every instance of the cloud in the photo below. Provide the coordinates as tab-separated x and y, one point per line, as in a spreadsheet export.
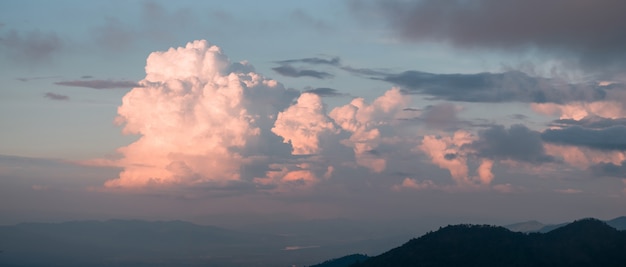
364	121
612	109
591	30
194	118
30	48
441	116
289	71
582	157
593	122
568	191
611	138
516	143
302	124
99	84
28	79
335	61
55	96
324	91
610	169
511	86
410	183
447	153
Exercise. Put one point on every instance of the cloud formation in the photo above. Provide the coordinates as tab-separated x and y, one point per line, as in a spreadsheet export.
335	61
302	124
611	138
511	86
516	143
364	121
325	92
290	71
31	47
99	84
55	96
192	117
592	30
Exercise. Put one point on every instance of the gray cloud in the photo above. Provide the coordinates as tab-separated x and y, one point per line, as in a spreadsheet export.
593	122
55	96
442	116
611	138
335	61
289	71
99	84
516	143
610	169
31	47
594	30
28	79
323	91
511	86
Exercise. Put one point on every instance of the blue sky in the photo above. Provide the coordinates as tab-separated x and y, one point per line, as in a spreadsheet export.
314	109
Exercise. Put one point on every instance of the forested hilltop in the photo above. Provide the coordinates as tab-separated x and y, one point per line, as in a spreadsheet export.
587	242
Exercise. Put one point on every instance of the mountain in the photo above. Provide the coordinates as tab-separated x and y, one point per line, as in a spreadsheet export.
132	243
587	242
618	223
343	261
526	227
179	243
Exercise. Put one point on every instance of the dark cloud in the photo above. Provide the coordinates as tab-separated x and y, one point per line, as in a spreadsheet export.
30	48
335	61
323	91
365	71
611	138
516	143
28	79
594	30
289	71
55	96
99	84
593	122
511	86
519	117
610	169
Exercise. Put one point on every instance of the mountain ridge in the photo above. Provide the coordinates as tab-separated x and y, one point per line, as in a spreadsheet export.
585	242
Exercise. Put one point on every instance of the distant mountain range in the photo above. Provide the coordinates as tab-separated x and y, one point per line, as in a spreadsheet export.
176	243
618	223
587	242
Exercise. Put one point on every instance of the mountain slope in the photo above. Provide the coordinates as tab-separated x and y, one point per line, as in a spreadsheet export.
586	242
343	261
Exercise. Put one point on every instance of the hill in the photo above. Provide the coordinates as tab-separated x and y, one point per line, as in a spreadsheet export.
587	242
343	261
618	223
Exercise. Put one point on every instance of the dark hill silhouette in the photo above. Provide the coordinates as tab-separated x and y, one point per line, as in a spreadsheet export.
587	242
343	261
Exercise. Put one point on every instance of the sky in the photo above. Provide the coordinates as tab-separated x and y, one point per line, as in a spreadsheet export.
232	112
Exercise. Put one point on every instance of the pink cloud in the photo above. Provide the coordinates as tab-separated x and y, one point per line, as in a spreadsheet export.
364	121
192	118
450	153
410	183
302	124
580	110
